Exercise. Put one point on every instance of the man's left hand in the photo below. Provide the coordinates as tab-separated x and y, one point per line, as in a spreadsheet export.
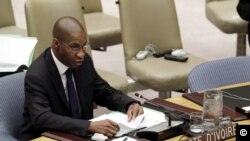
134	110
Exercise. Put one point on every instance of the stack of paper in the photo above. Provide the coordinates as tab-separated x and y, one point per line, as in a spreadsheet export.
148	119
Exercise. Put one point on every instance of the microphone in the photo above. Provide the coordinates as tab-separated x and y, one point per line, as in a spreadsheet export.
140	96
162	109
170	112
160	131
156	106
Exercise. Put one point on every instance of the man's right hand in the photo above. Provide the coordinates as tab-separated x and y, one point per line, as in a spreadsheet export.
105	127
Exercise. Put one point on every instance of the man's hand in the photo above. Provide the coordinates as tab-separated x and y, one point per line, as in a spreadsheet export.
106	127
134	110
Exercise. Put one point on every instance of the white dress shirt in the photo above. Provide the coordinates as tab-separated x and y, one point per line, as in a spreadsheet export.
62	69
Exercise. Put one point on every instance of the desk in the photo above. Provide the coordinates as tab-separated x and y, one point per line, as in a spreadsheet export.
177	100
181	101
42	138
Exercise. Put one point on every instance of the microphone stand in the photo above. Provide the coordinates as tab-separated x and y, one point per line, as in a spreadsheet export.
161	131
164	110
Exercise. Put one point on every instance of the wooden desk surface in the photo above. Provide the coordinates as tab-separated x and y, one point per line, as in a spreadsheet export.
181	101
42	138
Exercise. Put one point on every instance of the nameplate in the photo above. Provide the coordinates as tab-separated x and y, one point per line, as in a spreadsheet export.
217	135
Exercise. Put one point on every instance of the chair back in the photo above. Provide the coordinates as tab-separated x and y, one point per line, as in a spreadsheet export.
89	6
41	16
219	73
11	103
6	13
148	22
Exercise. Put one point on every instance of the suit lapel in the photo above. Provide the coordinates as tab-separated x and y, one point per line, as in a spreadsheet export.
56	78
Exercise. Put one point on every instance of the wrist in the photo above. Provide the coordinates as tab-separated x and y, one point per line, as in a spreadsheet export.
131	103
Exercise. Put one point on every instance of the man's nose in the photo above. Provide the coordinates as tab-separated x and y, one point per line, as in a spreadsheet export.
81	54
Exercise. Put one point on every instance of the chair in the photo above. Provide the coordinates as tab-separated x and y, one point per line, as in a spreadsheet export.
219	73
11	105
103	29
40	25
7	20
223	14
153	22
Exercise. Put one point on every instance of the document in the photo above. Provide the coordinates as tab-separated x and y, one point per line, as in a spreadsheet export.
15	51
148	119
126	138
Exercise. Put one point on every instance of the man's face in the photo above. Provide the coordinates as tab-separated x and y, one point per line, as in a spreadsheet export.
71	51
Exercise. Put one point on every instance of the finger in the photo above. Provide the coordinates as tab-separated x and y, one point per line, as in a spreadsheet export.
136	110
108	131
140	110
108	134
132	111
130	114
113	125
111	131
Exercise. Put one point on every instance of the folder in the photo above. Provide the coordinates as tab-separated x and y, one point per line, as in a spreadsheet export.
176	111
158	103
61	136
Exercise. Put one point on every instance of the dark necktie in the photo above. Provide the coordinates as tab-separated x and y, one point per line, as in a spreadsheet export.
72	94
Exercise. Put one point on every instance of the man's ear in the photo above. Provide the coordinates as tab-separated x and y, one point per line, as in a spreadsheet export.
55	42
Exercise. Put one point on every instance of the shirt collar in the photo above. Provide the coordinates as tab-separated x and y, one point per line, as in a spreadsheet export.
60	66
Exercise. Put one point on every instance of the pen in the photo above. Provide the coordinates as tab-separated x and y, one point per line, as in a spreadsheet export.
125	139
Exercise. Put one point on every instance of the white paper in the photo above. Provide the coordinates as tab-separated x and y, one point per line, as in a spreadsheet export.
124	138
148	119
122	120
15	51
99	137
247	108
124	125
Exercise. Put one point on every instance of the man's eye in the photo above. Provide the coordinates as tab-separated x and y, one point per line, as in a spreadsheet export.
75	47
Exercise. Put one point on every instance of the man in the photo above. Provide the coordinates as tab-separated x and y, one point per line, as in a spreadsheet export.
243	9
49	100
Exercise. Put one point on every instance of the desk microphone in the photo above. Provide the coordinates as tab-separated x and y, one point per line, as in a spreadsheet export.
163	109
160	131
140	96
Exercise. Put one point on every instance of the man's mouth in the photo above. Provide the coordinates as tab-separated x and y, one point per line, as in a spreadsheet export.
79	62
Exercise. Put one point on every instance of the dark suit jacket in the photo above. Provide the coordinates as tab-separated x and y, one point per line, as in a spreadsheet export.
46	107
243	9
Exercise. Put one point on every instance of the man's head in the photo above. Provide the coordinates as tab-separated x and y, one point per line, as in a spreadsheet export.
69	40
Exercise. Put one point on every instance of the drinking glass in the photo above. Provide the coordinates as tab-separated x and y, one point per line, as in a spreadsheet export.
196	119
212	109
225	121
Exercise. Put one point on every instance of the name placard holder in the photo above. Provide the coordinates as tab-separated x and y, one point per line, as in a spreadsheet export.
244	110
216	135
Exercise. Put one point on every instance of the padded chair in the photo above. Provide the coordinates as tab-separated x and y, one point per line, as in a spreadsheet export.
154	22
41	16
223	14
11	105
104	30
7	20
219	73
